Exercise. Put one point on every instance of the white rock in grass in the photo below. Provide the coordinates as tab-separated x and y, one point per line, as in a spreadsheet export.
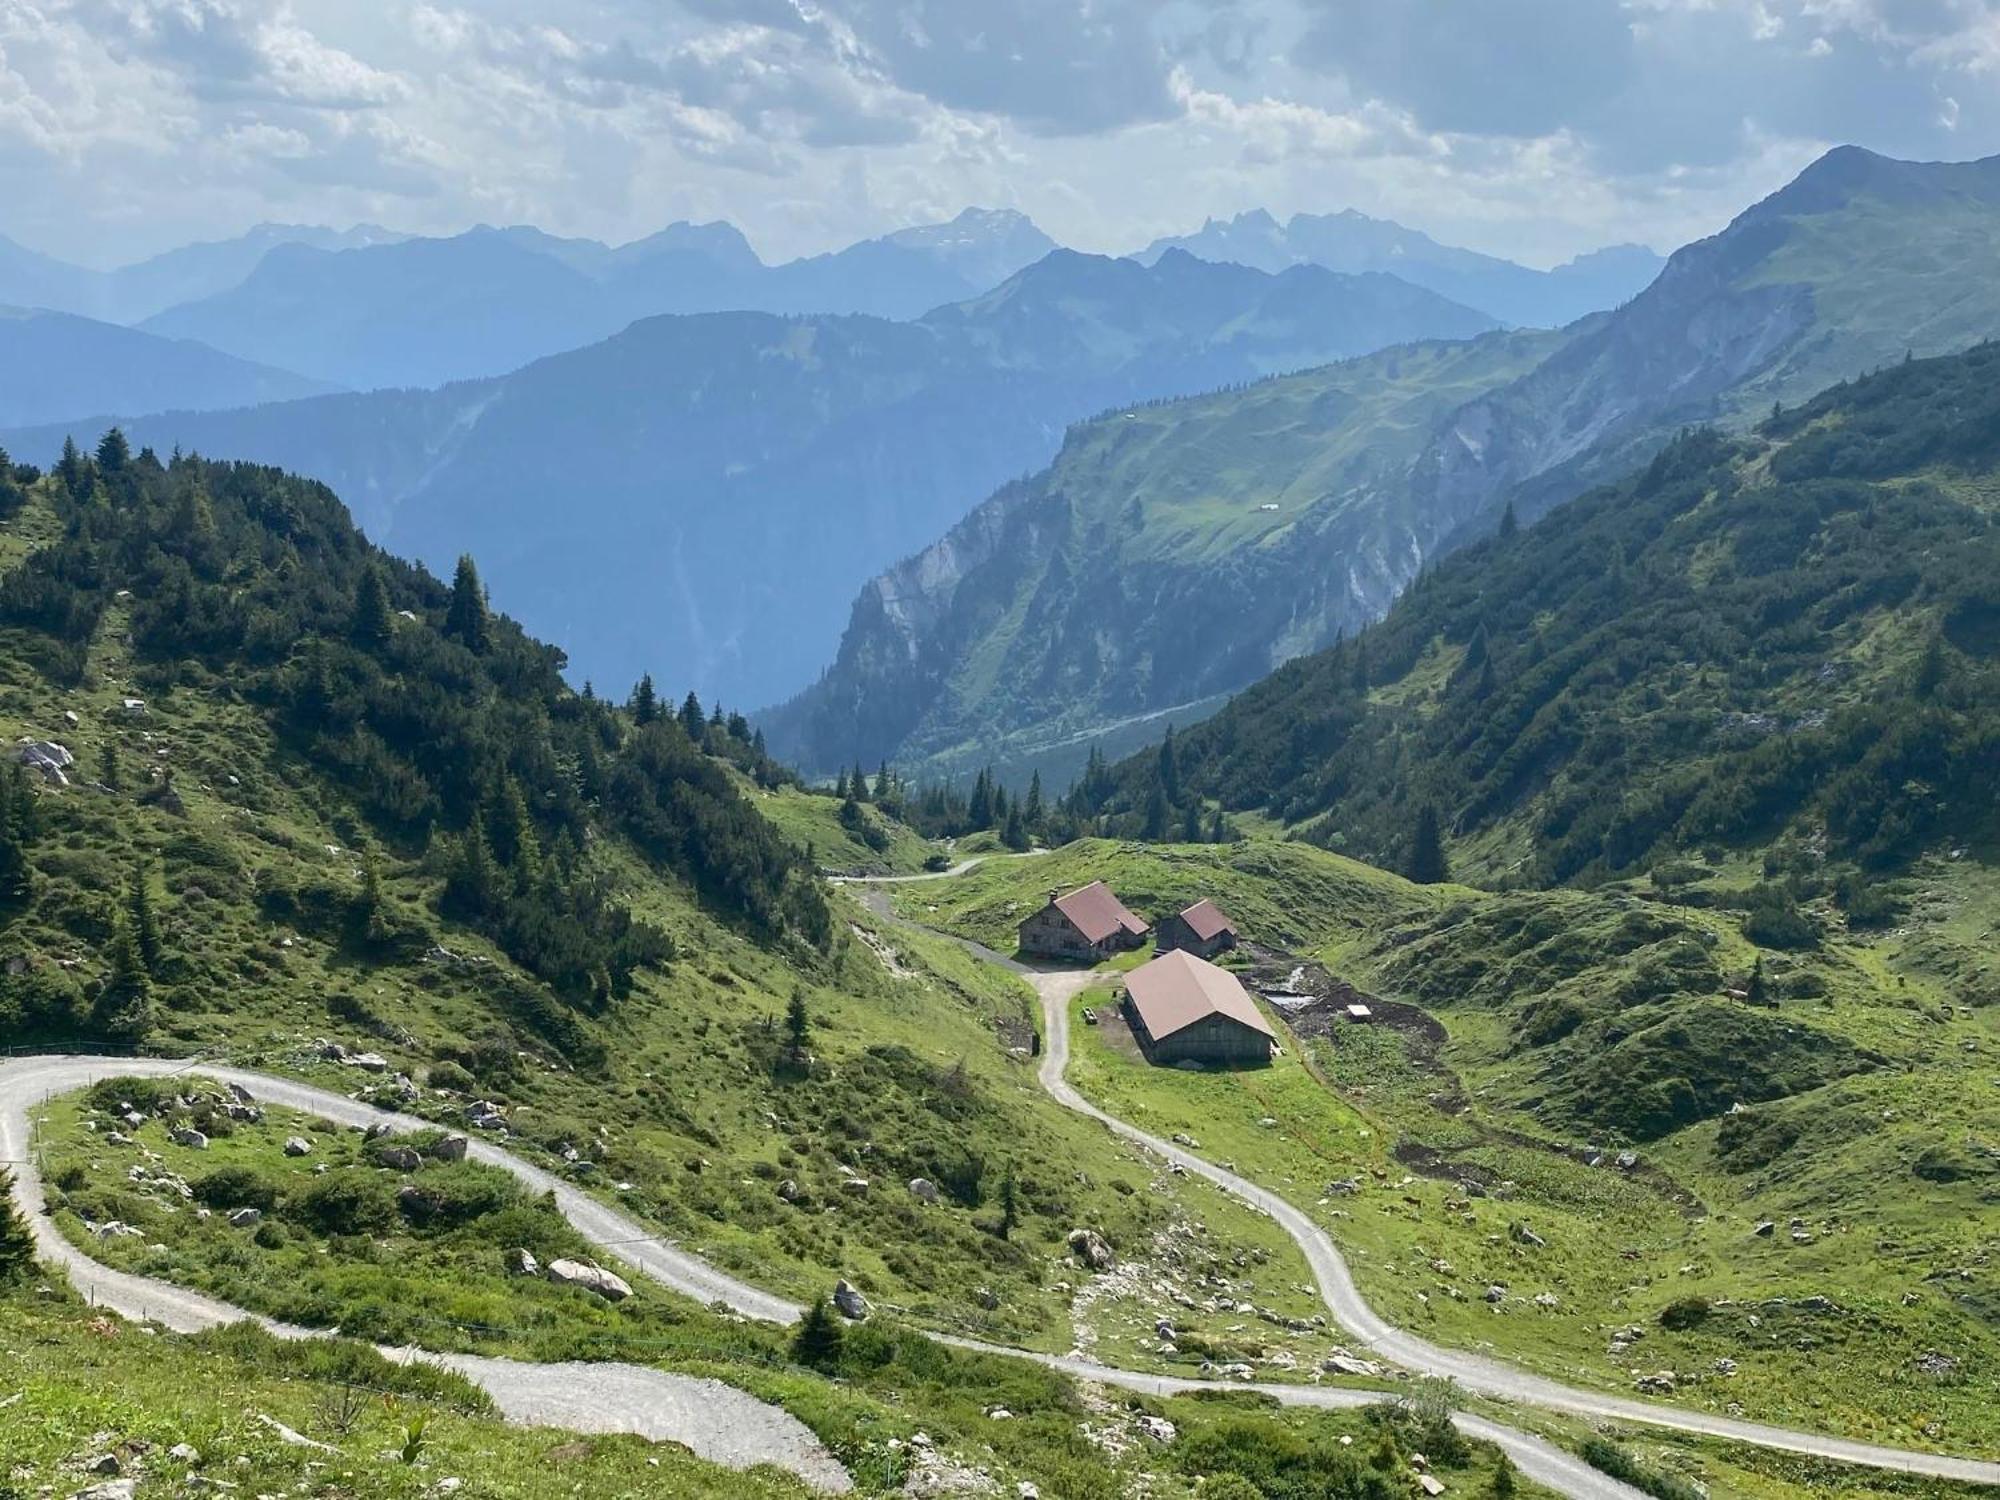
591	1278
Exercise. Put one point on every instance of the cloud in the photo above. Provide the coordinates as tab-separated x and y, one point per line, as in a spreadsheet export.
227	52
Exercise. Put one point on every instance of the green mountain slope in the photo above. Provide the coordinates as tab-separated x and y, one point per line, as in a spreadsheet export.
1788	637
1006	639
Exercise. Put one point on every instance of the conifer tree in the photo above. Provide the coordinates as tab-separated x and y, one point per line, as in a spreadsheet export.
1427	864
113	452
373	625
841	789
857	784
145	922
979	811
1510	524
465	618
123	1010
1358	679
108	769
1010	1207
1191	823
1034	812
798	1024
1155	827
1015	835
1502	1484
884	787
691	717
1170	769
70	468
19	822
645	704
816	1343
17	1240
1757	992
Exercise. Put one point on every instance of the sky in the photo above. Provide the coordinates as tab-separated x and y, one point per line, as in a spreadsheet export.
1535	129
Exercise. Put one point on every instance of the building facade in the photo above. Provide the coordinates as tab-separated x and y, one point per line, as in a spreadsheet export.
1087	925
1200	929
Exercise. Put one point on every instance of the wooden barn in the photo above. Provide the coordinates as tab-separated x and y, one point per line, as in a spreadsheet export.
1201	929
1184	1009
1087	925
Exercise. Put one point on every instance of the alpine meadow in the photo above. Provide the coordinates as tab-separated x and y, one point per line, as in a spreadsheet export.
1049	751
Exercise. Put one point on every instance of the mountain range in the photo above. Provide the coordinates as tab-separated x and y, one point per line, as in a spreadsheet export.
1351	241
1172	556
708	491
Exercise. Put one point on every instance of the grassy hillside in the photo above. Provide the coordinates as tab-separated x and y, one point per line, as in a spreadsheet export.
1780	642
1139	578
1587	1100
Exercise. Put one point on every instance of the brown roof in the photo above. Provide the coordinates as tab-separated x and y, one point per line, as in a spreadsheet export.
1096	913
1206	921
1177	989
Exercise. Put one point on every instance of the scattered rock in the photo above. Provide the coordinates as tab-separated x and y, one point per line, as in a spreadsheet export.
193	1139
1496	1293
293	1439
1547	1299
113	1489
1937	1365
401	1158
788	1190
298	1145
1340	1363
987	1298
1765	1229
1659	1383
105	1464
923	1190
245	1218
522	1263
369	1062
1091	1248
50	759
451	1148
591	1278
1159	1429
849	1301
185	1453
1521	1234
855	1185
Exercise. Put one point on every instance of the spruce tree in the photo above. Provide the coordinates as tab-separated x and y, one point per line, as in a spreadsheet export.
1155	826
884	786
645	703
19	823
1427	864
857	784
1015	836
798	1024
373	624
113	452
1757	992
1034	812
108	770
1502	1484
123	1010
70	468
1191	823
17	1240
465	619
1170	769
145	922
691	717
816	1342
1358	678
1510	524
979	811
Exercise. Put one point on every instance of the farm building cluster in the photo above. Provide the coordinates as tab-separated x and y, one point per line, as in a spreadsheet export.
1181	1007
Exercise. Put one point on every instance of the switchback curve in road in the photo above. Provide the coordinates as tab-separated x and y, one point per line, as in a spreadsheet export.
715	1420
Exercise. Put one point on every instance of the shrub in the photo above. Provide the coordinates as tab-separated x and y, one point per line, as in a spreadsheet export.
235	1187
447	1197
1609	1458
345	1203
1684	1313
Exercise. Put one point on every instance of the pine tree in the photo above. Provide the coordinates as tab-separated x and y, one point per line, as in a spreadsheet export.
145	922
1218	828
691	717
1010	1207
1931	668
1510	524
369	908
1155	828
17	1240
1015	836
70	468
1757	992
1358	679
841	789
798	1024
123	1010
979	811
884	787
1191	823
1501	1486
816	1342
108	770
113	452
19	823
373	625
465	619
1034	812
1427	864
645	702
857	784
1170	769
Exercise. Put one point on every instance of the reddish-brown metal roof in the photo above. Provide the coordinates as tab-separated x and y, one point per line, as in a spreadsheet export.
1205	920
1177	989
1098	914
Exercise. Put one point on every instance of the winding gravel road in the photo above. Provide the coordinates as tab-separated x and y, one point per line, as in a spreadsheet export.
716	1421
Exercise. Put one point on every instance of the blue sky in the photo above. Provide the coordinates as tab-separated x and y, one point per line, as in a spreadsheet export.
1530	128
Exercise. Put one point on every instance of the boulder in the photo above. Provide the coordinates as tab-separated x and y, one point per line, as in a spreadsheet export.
591	1278
185	1453
193	1139
487	1121
522	1263
451	1148
1765	1229
789	1191
1496	1294
1659	1383
105	1464
401	1158
855	1185
48	758
1521	1234
923	1190
111	1489
369	1062
848	1301
245	1218
298	1145
1092	1249
1159	1429
1348	1364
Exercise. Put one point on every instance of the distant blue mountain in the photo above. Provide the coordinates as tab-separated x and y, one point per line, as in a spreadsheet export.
57	365
710	491
1353	242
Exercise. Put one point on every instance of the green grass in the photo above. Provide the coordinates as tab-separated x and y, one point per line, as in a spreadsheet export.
1906	1263
883	846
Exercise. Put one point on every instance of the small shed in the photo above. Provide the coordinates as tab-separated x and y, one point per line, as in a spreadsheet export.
1087	925
1184	1009
1200	929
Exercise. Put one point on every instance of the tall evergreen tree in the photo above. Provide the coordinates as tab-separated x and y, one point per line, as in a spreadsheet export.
123	1009
19	823
691	717
145	922
979	811
114	453
108	770
373	624
1157	811
70	468
645	704
17	1240
1427	864
884	787
1034	812
1191	823
857	784
1015	835
1170	769
465	618
1510	524
798	1024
